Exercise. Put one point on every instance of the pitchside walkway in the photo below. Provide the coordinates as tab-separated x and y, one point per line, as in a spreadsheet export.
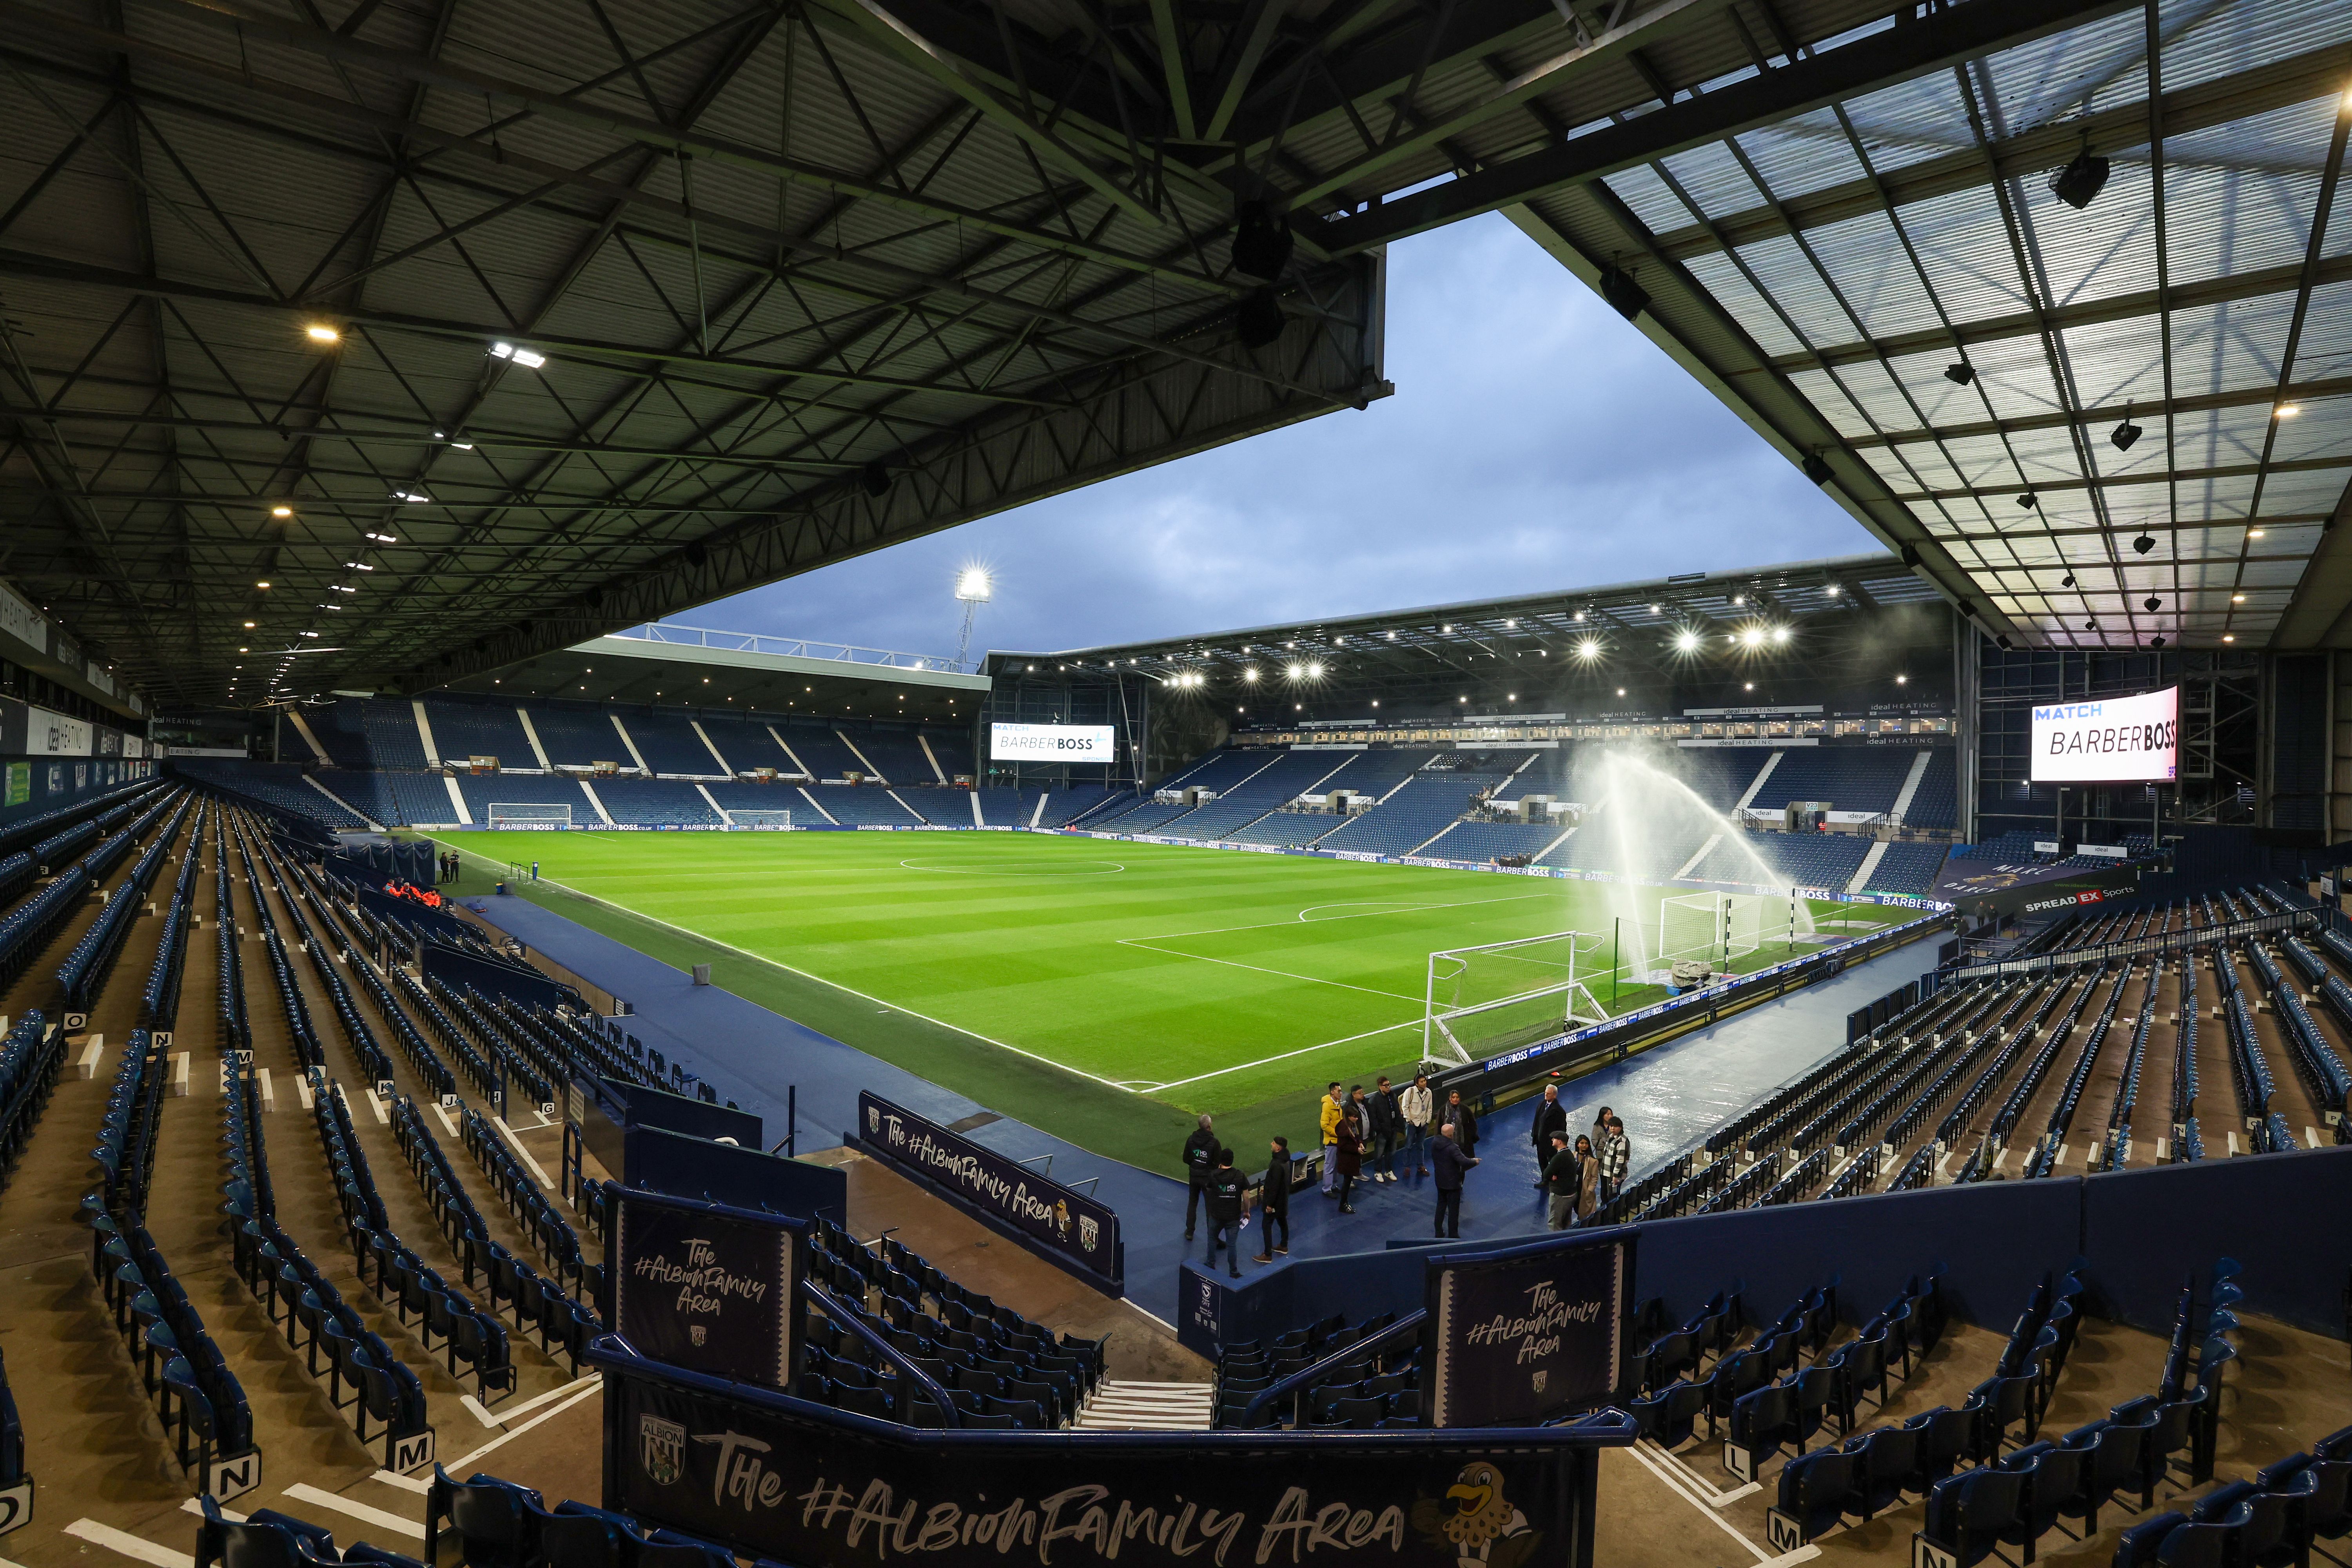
1669	1098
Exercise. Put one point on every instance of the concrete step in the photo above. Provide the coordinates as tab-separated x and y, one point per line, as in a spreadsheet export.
1148	1408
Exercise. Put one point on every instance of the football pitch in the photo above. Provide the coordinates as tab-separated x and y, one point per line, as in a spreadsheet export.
1086	985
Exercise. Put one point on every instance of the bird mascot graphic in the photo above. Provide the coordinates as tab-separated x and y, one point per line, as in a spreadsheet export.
1478	1522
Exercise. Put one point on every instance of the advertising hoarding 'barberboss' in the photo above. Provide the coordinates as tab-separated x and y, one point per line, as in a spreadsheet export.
2108	740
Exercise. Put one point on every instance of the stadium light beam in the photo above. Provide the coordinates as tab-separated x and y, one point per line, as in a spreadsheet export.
1686	641
974	586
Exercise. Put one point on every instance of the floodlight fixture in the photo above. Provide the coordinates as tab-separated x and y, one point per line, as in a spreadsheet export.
359	565
2227	637
2143	544
1260	319
1834	590
2156	641
410	496
384	538
2067	581
527	358
1314	672
1580	615
1261	241
1625	296
2237	598
2253	533
2152	603
261	585
1250	676
2078	185
2286	411
1902	680
2124	434
281	512
1620	691
2028	500
973	585
1296	671
1686	641
1589	649
1959	373
1780	633
322	332
1817	469
1753	636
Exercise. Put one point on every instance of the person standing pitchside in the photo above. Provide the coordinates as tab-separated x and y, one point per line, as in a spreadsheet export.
1273	1197
1225	1190
1415	1105
1552	1116
1449	1164
1200	1164
1333	1108
1563	1176
1386	1131
1616	1153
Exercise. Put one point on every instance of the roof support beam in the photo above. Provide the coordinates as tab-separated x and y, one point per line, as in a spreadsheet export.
1893	55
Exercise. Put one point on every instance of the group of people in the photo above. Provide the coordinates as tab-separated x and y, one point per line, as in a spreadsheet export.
1578	1178
449	864
1363	1133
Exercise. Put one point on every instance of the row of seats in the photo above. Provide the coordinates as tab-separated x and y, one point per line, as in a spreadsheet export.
2275	1517
402	1280
91	959
540	1304
31	1056
2018	1499
198	1398
488	1080
22	834
1376	1381
996	1367
532	1209
512	1065
2316	1062
1868	1472
158	1000
364	1376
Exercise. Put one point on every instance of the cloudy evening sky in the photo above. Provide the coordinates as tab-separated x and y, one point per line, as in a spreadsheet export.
1535	442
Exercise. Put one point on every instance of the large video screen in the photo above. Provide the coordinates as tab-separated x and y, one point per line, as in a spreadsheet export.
1051	743
2111	740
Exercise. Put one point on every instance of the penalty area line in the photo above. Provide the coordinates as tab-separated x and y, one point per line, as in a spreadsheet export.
1285	1055
821	980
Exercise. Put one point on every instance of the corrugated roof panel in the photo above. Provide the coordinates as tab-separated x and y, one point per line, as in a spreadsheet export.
1722	279
1864	257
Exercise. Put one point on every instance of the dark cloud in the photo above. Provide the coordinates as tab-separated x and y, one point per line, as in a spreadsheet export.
1536	441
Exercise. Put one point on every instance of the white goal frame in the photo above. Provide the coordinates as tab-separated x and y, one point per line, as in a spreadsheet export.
771	821
1448	965
526	813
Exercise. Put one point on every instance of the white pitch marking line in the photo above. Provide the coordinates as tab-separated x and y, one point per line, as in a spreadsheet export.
467	1463
318	1497
1144	943
1303	1050
835	984
129	1545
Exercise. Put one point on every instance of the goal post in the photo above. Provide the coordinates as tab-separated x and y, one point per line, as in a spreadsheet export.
1495	996
769	819
526	813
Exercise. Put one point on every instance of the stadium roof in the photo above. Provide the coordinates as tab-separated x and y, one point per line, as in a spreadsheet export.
741	673
1635	622
780	283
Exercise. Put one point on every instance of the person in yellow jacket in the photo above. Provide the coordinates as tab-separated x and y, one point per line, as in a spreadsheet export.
1334	1110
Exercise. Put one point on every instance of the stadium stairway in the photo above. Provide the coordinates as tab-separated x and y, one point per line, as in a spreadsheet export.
1116	1406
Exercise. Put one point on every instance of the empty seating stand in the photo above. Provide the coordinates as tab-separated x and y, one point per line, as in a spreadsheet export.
885	1329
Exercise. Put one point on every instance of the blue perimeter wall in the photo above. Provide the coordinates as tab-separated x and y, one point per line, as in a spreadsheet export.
2283	1217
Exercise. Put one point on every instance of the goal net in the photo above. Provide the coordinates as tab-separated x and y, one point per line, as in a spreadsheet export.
1721	929
761	818
1497	996
528	814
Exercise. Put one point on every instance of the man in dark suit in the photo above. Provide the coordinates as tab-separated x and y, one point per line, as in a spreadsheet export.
1225	1187
1273	1197
1448	1164
1552	1116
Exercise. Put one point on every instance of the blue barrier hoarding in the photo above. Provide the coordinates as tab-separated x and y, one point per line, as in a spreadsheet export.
1071	1228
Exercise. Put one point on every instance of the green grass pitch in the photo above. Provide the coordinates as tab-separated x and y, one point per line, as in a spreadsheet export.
1104	990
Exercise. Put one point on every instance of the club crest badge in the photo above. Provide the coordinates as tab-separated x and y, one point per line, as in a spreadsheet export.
661	1448
1090	1231
873	1121
1540	1377
699	1333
